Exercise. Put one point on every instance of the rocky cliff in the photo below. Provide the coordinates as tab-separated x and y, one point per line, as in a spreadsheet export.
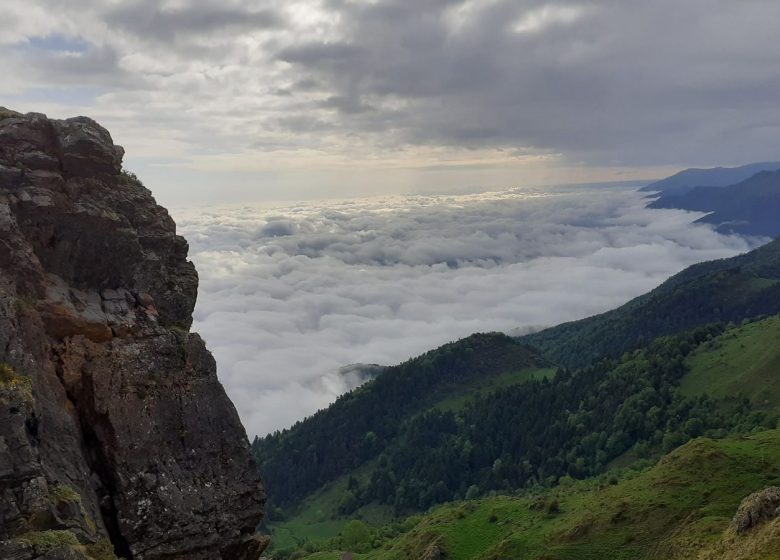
115	434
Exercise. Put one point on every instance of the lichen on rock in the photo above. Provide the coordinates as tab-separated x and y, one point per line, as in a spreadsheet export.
113	424
756	509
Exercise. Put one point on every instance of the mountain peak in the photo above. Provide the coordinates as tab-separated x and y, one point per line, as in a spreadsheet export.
688	179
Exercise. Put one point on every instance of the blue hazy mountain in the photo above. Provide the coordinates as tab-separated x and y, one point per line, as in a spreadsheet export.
751	207
688	179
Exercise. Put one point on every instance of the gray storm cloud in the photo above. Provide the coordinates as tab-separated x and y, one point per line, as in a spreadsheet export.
604	82
290	296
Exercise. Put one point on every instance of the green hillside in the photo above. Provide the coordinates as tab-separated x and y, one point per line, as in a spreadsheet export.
678	509
744	360
718	291
358	426
547	430
489	415
320	515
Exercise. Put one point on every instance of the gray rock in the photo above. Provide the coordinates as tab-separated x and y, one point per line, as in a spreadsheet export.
45	179
8	113
757	508
10	176
38	160
86	148
113	423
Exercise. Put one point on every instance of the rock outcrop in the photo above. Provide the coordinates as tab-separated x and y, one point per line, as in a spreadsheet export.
115	434
756	509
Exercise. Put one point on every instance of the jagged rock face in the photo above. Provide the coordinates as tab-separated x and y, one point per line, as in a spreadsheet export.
113	425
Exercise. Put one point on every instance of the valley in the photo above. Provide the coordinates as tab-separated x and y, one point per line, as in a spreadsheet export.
488	448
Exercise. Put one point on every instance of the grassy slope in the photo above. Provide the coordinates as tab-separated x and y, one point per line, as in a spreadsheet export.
678	509
743	360
317	517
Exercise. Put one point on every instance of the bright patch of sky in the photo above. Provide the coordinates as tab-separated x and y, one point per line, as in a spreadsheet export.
75	96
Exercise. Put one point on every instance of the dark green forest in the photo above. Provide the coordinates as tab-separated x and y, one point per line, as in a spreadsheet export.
359	424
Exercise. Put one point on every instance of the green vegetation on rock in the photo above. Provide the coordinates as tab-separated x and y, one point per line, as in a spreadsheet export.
101	550
64	494
13	383
46	541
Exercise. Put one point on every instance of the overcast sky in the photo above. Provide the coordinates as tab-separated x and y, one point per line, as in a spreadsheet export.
234	100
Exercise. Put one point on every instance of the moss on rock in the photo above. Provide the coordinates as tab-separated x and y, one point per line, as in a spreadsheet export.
45	541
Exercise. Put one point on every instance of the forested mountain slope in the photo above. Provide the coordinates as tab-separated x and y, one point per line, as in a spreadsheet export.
359	425
575	425
522	431
723	290
488	414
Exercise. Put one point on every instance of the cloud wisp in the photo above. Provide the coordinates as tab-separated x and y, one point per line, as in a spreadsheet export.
290	295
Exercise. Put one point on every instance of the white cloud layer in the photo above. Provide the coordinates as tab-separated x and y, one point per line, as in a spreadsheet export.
290	295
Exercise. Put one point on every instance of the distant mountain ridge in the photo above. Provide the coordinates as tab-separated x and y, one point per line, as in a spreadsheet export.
688	179
751	207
